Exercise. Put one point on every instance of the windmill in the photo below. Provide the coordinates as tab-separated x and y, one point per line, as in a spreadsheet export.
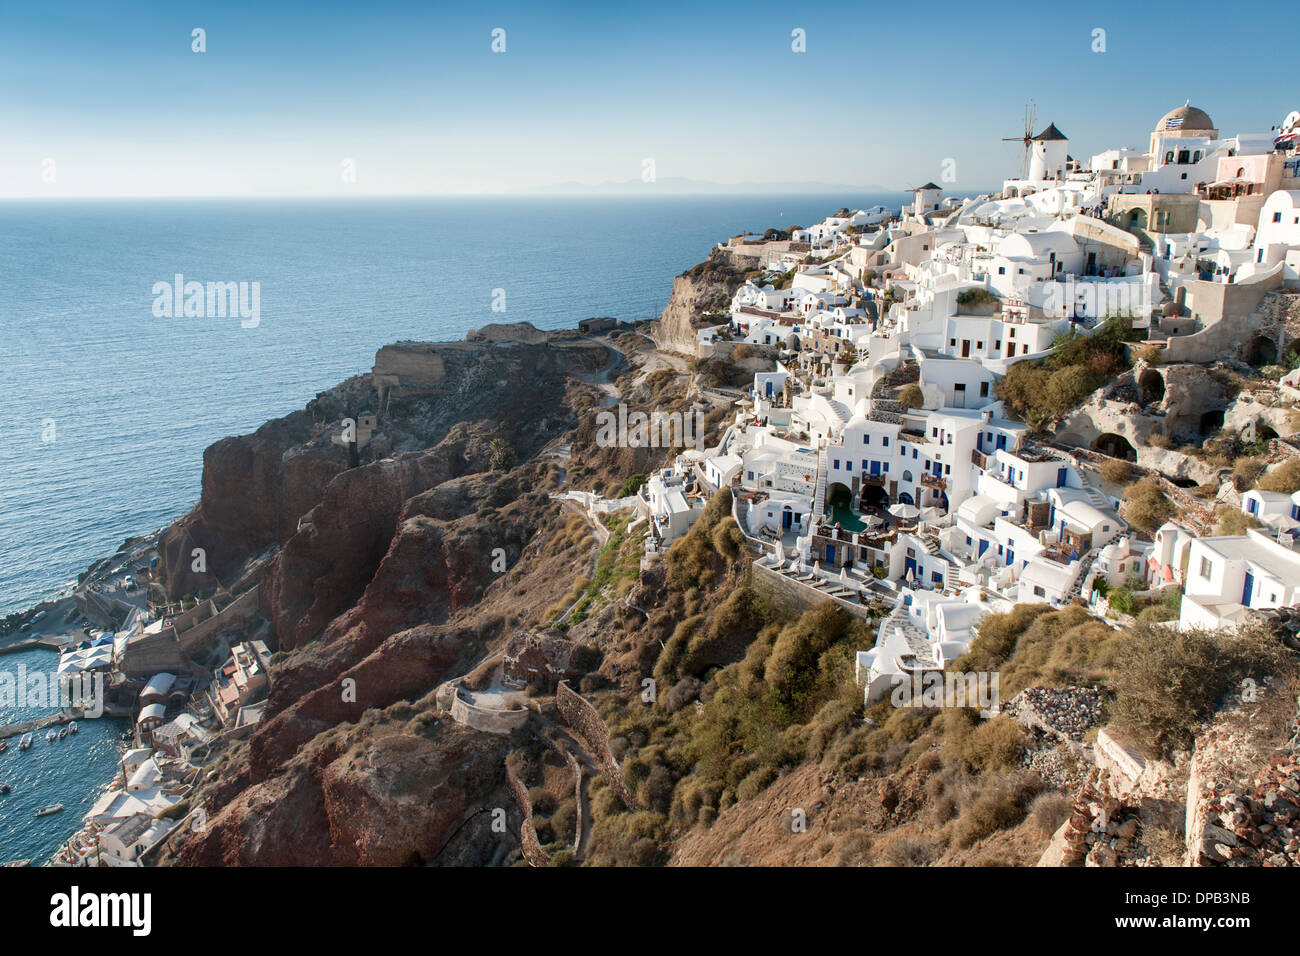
1027	141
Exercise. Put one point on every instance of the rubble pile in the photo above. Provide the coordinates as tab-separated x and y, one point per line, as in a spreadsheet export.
1059	768
1258	828
1103	830
1064	712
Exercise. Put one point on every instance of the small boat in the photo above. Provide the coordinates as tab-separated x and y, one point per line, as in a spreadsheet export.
25	742
72	727
17	863
63	732
4	745
4	788
51	809
51	737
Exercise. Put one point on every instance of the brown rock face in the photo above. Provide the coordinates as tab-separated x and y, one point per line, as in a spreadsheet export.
377	594
323	569
388	797
256	487
709	285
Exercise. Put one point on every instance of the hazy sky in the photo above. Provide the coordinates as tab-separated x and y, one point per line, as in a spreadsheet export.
112	93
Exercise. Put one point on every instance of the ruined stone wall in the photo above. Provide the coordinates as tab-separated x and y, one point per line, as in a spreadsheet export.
532	847
588	727
488	721
202	635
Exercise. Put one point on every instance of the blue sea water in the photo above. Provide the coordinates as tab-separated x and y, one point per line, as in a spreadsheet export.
105	409
73	771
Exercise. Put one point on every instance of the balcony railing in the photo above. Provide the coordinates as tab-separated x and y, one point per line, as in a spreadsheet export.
979	459
933	481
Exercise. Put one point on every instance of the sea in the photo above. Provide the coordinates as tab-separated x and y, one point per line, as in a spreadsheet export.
106	405
73	771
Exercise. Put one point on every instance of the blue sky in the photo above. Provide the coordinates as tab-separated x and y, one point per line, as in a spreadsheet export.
413	94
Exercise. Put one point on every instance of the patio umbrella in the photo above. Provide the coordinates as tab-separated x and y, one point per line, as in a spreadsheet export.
905	511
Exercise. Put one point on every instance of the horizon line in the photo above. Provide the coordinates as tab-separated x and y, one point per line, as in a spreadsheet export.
531	193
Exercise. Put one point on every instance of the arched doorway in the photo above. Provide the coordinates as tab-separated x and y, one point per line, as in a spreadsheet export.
904	498
1117	446
1151	387
1211	421
1261	351
874	496
838	495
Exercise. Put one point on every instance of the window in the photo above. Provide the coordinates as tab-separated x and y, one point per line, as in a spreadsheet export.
1011	333
837	464
997	346
864	464
1207	567
1277	217
1038	591
984	389
1002	270
885	440
866	439
979	345
952	343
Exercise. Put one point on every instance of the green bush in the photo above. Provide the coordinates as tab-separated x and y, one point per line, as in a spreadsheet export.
1284	477
995	744
911	396
632	485
1116	471
1168	682
1230	520
1146	506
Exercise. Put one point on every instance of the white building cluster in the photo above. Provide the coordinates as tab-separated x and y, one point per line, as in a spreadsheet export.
876	462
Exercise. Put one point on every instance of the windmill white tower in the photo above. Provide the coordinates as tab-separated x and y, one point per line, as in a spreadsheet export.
1049	152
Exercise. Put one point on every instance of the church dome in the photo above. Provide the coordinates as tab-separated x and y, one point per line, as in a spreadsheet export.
1186	116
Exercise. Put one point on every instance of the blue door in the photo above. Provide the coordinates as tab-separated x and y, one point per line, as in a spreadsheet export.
1060	477
1249	586
1002	441
830	554
909	565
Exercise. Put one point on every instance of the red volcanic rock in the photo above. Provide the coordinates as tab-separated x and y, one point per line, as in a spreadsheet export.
254	491
408	664
324	568
387	797
434	567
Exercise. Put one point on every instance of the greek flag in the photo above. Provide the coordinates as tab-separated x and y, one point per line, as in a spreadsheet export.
1174	122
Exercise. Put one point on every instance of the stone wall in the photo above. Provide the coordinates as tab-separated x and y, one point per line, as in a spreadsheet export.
800	595
532	847
203	635
591	731
481	718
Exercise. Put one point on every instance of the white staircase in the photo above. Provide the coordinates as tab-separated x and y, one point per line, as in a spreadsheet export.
819	493
1096	497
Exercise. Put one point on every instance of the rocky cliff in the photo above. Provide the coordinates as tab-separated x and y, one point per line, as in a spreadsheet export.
708	286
